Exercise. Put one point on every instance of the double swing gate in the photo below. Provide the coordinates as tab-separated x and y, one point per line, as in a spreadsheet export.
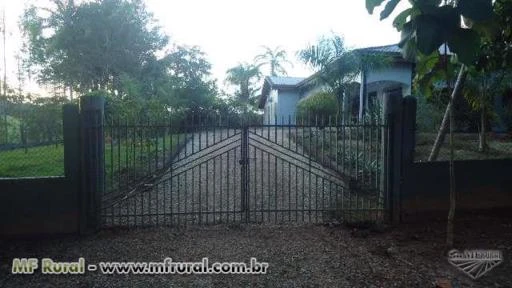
212	171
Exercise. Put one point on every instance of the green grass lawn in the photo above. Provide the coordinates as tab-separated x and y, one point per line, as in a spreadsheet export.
38	161
465	147
49	160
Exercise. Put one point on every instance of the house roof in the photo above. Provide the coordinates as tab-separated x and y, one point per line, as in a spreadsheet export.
391	49
295	82
284	81
274	82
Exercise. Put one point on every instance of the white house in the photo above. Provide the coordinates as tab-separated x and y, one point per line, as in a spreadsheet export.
280	95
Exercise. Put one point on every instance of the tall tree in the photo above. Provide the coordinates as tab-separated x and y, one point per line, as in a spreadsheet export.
89	46
244	76
274	58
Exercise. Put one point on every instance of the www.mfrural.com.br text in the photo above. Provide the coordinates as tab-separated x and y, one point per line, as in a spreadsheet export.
167	266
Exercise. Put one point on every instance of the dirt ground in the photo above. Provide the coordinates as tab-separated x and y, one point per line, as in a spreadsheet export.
298	256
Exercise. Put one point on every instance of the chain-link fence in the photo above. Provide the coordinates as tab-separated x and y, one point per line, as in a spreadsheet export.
31	139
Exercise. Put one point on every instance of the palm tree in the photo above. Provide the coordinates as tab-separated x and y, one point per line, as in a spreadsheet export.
338	67
243	75
274	58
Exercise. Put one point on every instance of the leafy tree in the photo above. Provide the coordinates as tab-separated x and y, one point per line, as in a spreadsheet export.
274	58
480	90
425	27
89	46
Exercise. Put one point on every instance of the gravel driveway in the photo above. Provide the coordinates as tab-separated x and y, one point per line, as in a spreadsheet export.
204	184
298	256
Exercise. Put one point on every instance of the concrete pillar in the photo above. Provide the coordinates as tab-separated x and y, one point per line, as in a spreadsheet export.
72	160
93	158
392	140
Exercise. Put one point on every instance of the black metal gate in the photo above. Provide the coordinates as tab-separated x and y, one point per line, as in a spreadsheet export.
216	172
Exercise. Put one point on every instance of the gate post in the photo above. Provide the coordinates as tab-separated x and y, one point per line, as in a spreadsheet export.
93	146
72	159
392	140
399	153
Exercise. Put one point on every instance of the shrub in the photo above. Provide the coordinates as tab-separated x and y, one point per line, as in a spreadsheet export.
318	108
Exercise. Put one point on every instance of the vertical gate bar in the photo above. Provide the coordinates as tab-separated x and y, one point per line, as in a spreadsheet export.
164	146
200	129
370	156
234	186
316	137
134	161
303	194
262	197
296	193
228	163
364	164
330	202
192	206
316	199
147	137
118	137
254	185
172	156
322	151
214	186
200	183
126	166
141	144
282	125
289	191
303	132
207	172
112	163
336	140
268	184
135	208
243	170
289	131
282	191
296	133
221	187
350	152
180	215
357	151
154	130
323	199
343	154
310	187
275	188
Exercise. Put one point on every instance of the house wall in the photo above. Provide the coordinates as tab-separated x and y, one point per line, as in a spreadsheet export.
400	72
270	109
287	107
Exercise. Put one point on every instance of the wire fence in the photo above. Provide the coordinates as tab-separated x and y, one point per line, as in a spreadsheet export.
31	141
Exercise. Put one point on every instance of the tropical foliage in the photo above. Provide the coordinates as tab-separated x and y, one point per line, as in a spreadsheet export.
274	59
338	67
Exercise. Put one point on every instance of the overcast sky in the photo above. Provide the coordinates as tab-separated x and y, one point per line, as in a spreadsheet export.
233	31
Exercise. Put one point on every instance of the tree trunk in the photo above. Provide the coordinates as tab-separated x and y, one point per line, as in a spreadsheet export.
441	134
482	143
453	198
